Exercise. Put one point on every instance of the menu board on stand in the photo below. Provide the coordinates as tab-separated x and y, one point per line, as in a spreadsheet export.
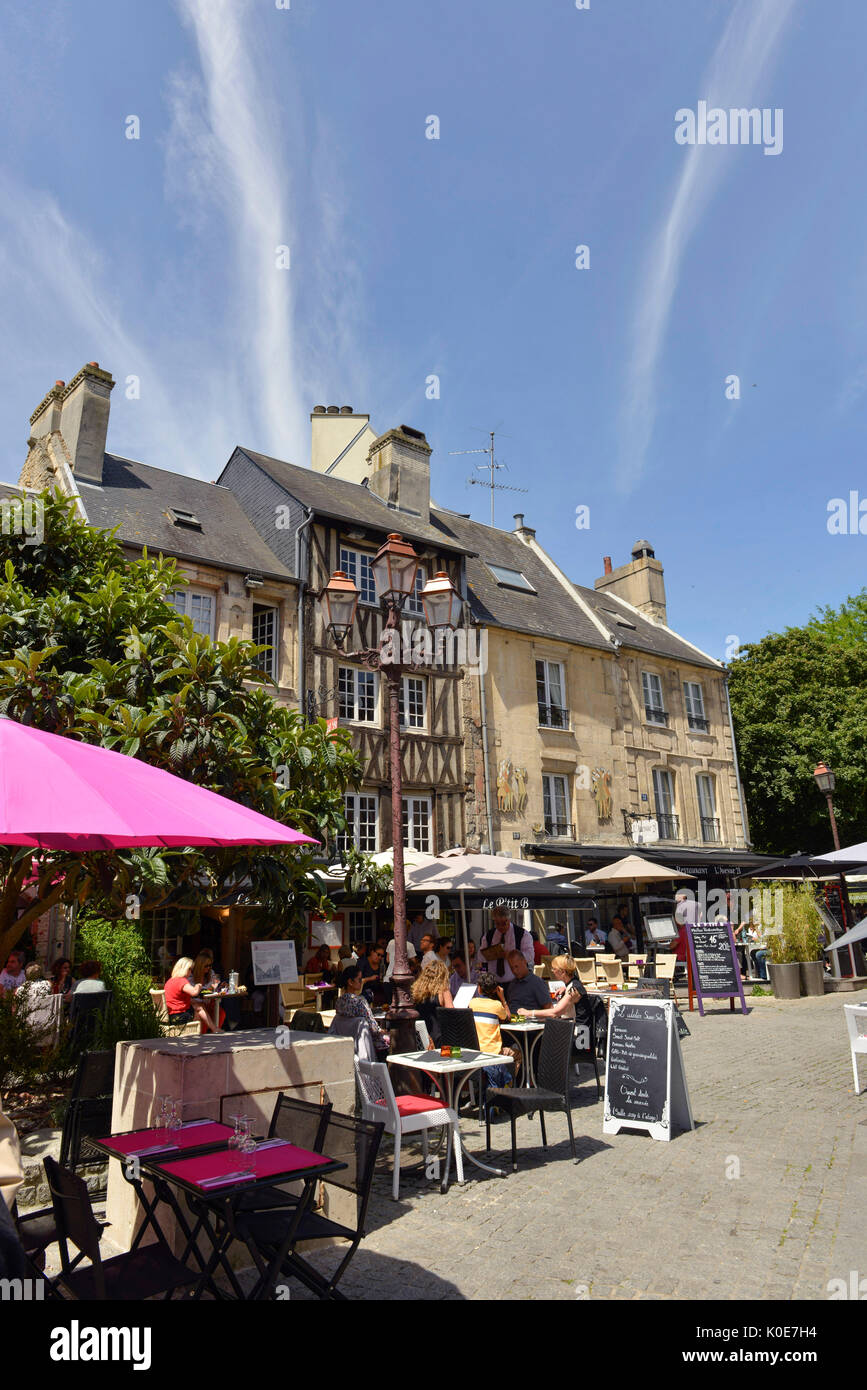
645	1085
712	964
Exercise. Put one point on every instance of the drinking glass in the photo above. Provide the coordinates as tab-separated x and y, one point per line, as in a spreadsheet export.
248	1150
173	1119
162	1125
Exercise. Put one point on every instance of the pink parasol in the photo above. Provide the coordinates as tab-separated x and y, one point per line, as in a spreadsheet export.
57	793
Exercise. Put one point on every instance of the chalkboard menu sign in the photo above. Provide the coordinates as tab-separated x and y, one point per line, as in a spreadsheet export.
645	1086
714	960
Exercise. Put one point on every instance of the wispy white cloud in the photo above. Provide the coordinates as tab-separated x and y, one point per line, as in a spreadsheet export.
740	61
223	152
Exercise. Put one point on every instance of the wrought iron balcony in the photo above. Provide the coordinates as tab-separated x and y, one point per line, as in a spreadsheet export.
559	830
710	830
669	827
553	717
698	721
654	715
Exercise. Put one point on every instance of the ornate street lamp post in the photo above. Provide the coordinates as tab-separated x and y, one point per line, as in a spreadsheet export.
394	570
826	782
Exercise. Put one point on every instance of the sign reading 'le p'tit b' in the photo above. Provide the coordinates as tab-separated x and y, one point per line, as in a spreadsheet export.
645	1086
714	961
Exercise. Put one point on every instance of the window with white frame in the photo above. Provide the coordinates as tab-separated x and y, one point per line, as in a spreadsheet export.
654	705
551	694
555	804
265	634
417	823
197	604
360	926
357	694
413	702
413	605
362	823
707	808
693	698
163	940
357	565
663	795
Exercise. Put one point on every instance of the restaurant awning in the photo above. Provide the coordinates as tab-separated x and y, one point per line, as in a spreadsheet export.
699	863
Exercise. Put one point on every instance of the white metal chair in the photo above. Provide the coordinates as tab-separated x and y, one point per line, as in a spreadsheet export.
406	1115
422	1035
856	1022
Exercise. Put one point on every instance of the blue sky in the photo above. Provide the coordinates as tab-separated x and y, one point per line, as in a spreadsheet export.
305	127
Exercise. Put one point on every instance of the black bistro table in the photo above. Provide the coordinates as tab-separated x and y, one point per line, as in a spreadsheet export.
211	1181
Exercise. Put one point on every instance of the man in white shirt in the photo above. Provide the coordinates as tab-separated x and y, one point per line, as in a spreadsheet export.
428	948
504	933
620	939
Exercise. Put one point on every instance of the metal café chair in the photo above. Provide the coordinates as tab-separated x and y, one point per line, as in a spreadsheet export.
138	1274
406	1115
458	1029
551	1093
299	1122
273	1235
88	1112
306	1021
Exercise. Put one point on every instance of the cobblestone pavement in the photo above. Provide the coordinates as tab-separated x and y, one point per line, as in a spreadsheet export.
773	1099
774	1102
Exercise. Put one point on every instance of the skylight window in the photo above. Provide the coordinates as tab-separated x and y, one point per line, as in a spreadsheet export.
181	517
619	619
510	579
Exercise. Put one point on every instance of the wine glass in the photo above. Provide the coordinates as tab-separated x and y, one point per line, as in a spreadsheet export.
163	1113
173	1119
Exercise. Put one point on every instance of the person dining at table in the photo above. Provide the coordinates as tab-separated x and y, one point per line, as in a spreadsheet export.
181	995
489	1010
621	938
61	978
430	992
526	990
459	974
12	977
594	936
573	1002
352	1004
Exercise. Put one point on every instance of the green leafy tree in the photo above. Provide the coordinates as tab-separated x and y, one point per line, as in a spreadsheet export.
798	697
90	649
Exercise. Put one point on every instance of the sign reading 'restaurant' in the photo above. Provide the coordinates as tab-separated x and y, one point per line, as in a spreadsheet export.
714	958
645	1087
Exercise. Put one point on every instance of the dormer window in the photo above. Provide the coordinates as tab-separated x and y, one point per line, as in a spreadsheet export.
181	517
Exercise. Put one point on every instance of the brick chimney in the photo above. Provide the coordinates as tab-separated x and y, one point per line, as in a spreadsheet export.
79	412
640	583
399	463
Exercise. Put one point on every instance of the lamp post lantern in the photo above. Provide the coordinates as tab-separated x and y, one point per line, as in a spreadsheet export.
394	573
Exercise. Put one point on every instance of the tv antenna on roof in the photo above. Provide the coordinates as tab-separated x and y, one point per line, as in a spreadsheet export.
490	467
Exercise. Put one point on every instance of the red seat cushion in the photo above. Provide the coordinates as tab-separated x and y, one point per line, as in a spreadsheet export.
416	1105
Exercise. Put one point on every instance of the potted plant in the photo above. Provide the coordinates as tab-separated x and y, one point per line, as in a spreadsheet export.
784	955
794	961
801	911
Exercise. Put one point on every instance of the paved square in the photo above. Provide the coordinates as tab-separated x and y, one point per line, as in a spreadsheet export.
774	1103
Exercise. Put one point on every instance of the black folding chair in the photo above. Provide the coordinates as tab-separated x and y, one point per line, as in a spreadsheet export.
355	1143
306	1021
85	1012
88	1114
299	1122
139	1274
458	1029
588	1053
551	1092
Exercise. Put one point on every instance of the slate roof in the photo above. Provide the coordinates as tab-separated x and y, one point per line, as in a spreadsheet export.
136	498
647	636
345	501
550	612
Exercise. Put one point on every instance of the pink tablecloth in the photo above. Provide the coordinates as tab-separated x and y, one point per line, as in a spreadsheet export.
192	1138
281	1160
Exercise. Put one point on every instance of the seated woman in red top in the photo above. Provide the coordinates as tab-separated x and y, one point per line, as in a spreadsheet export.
181	1003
